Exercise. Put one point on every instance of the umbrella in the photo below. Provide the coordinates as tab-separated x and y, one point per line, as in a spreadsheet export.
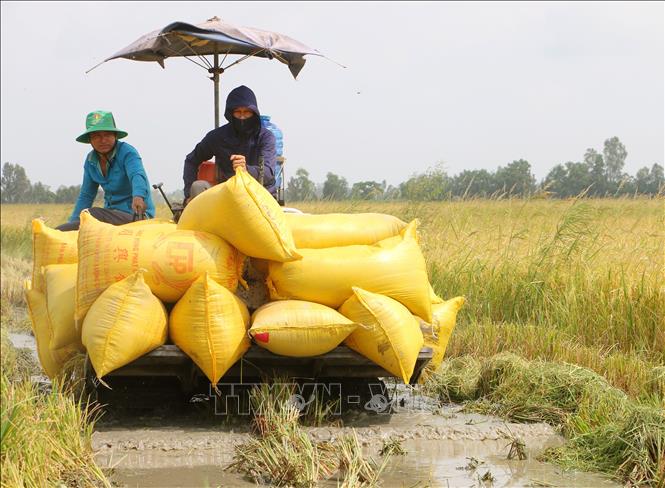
215	38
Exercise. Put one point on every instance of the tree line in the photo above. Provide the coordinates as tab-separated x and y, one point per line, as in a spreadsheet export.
599	174
15	187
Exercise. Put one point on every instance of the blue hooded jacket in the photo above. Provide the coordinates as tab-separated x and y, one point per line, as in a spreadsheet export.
126	178
224	141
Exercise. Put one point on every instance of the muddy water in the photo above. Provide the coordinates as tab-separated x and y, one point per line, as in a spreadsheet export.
439	449
449	463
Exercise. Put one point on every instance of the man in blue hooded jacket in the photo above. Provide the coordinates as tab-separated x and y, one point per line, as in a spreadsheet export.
242	143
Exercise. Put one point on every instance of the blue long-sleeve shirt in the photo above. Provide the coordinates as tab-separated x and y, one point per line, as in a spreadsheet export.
125	178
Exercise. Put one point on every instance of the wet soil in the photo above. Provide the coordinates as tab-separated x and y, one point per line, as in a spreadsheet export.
445	447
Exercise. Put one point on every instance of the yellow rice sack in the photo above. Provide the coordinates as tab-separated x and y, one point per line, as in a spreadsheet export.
444	319
411	229
326	276
393	241
299	329
172	260
209	324
51	361
50	246
336	229
244	213
60	282
391	335
125	322
139	223
434	298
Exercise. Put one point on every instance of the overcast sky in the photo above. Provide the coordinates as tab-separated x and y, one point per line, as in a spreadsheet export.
469	85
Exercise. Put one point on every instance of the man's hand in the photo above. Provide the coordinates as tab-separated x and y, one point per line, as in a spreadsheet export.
238	161
138	205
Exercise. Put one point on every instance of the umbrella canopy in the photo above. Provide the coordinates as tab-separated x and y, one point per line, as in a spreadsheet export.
215	37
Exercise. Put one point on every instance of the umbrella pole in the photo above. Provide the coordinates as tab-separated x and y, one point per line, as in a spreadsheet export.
216	70
215	79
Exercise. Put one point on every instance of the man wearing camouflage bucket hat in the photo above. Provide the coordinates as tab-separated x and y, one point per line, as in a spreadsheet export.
117	168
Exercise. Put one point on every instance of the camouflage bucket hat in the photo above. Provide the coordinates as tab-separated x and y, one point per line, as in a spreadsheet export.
99	121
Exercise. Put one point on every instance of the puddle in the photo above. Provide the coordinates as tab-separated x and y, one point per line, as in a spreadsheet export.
446	463
200	476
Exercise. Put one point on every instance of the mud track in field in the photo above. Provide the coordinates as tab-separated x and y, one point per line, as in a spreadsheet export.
191	446
442	444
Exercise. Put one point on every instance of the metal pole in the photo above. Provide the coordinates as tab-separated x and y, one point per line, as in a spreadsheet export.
215	78
216	70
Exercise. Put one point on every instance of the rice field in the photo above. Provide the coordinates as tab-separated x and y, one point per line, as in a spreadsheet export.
560	284
580	281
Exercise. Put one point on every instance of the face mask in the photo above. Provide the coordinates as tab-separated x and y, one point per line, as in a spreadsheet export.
245	127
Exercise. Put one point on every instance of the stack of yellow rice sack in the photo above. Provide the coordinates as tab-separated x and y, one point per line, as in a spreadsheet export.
119	292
